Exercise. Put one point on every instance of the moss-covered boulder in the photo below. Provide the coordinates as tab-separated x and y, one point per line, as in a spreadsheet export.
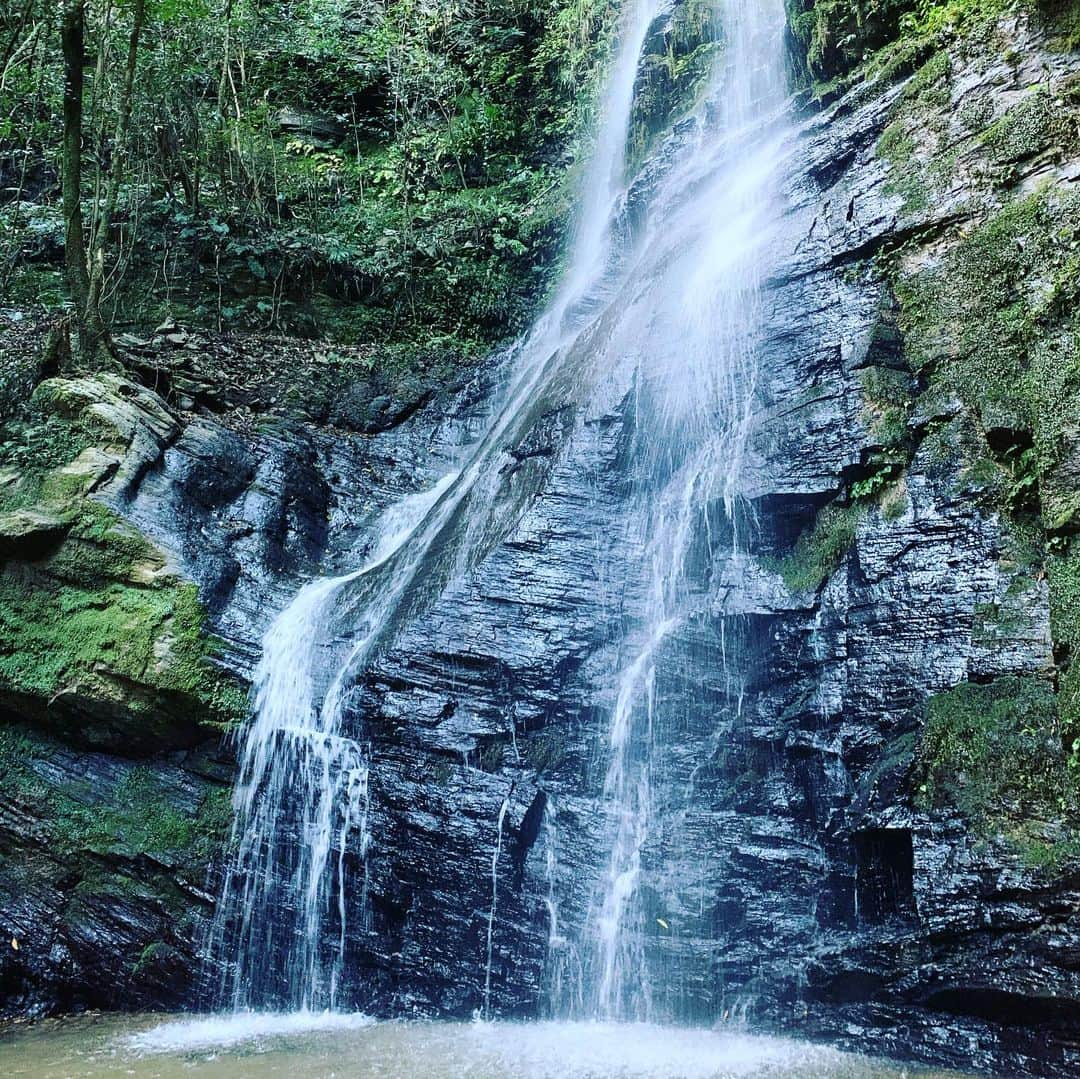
99	639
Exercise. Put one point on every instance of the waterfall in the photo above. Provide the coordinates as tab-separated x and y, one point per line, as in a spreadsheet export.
695	379
296	766
299	775
672	311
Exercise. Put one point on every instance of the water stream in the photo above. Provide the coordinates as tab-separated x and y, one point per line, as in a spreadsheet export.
269	934
671	309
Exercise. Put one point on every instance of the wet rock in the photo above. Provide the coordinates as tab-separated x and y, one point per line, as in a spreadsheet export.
30	533
791	873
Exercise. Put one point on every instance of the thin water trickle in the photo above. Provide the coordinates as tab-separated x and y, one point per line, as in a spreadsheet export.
496	853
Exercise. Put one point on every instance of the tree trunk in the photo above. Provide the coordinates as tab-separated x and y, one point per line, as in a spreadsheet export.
112	187
72	40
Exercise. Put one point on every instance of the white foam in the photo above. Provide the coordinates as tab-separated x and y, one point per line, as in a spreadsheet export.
220	1031
639	1051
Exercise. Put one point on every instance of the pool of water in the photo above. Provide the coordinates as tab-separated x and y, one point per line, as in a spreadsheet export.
355	1047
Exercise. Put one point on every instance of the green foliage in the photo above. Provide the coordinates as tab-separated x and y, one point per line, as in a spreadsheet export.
914	143
995	322
967	321
33	445
819	551
895	503
1063	17
55	637
838	35
844	40
1063	573
875	483
932	18
929	86
408	158
996	752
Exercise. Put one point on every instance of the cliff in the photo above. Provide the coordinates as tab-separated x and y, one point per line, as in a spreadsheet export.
876	837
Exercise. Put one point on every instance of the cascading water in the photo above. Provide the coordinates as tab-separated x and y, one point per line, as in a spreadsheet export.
674	315
296	766
695	390
268	939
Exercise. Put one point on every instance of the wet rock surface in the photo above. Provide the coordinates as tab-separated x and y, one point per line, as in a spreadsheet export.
792	873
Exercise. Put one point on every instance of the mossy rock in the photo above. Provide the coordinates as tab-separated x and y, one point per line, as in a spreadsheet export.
105	817
821	549
999	753
677	61
99	639
838	35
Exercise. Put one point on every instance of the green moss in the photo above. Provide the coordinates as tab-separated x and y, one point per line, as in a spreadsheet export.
972	317
819	551
896	146
887	397
83	622
996	752
895	503
149	955
101	546
995	322
129	820
907	178
914	143
885	385
993	621
138	820
54	635
1062	17
984	473
33	445
929	86
547	751
100	617
1063	574
676	65
1050	855
1043	121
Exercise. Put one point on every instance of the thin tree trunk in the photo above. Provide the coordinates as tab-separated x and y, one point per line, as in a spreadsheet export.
116	175
72	39
17	27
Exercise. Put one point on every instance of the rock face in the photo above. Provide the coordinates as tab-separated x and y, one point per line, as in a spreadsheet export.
815	862
114	773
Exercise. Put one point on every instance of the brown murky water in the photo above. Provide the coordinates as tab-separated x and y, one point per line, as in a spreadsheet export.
353	1047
